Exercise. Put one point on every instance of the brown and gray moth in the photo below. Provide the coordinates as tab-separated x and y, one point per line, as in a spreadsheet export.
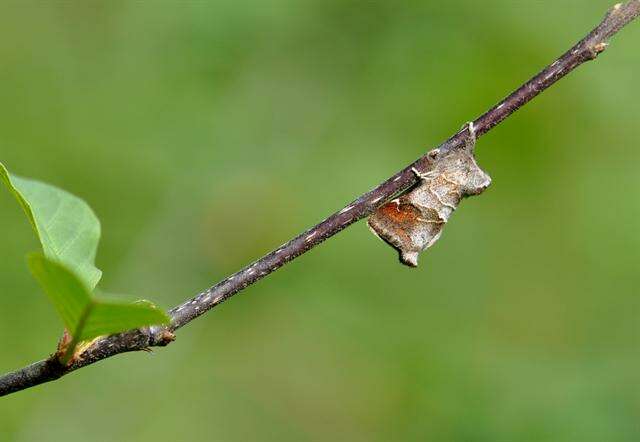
414	221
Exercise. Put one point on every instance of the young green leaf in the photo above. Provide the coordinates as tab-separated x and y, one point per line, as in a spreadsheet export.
67	228
112	317
84	316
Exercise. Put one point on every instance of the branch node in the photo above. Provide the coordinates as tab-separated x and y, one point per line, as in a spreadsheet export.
597	49
161	338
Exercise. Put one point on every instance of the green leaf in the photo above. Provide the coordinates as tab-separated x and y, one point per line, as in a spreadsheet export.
68	229
84	316
111	317
69	233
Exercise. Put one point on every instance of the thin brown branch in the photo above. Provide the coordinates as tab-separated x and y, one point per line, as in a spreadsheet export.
586	49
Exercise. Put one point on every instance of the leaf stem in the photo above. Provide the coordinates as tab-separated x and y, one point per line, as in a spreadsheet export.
77	333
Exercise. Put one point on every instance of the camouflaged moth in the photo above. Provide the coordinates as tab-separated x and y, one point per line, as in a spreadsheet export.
414	221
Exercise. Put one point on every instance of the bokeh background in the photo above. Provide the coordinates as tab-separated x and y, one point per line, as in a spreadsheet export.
204	134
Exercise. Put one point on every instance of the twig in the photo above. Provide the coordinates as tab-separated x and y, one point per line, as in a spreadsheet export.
49	369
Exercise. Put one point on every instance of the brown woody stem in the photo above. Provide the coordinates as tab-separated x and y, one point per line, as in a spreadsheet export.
51	368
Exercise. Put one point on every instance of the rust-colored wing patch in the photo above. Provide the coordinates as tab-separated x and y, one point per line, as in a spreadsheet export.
414	221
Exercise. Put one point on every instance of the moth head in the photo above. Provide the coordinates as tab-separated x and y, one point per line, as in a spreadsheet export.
478	181
460	166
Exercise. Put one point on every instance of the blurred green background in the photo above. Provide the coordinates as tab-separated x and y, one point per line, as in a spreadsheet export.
205	134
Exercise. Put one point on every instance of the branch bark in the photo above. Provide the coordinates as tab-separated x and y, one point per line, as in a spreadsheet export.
142	339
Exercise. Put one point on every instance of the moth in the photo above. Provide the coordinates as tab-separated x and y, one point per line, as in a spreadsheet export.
414	221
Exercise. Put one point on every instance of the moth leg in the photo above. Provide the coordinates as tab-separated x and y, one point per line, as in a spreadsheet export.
470	143
420	175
